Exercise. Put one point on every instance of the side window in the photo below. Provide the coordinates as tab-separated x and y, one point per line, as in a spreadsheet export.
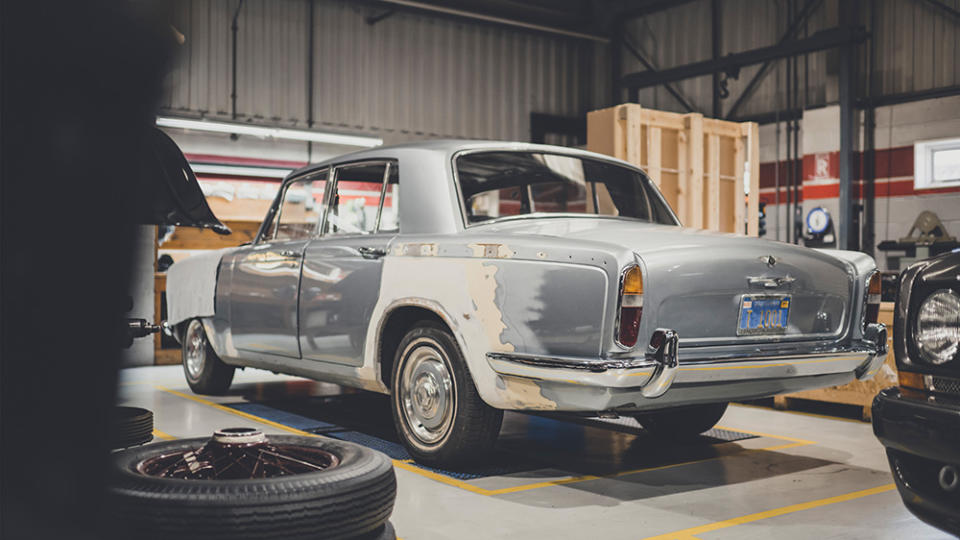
300	208
355	205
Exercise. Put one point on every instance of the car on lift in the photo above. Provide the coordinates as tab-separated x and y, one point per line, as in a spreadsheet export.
466	278
919	421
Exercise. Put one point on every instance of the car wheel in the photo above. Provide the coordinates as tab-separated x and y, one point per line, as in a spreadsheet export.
205	372
436	408
278	487
682	423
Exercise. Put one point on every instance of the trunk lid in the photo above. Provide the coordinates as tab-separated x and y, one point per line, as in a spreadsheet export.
694	281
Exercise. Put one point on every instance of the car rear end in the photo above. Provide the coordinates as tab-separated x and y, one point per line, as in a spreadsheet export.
919	421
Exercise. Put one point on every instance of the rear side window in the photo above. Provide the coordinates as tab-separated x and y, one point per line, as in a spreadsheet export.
502	184
364	200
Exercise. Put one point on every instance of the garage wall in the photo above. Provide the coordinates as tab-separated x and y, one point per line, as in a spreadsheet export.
408	76
898	203
916	49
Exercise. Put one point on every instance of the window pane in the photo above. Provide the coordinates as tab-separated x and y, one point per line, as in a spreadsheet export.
301	208
390	218
498	184
946	165
354	206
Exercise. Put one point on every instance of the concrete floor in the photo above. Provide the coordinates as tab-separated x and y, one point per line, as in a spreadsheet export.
797	476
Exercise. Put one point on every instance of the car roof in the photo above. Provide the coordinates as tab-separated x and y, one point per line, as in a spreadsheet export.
449	147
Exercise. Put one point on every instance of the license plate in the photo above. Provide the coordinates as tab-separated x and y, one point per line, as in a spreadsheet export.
763	314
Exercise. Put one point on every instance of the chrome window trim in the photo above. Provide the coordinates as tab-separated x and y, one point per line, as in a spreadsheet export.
610	161
276	209
328	198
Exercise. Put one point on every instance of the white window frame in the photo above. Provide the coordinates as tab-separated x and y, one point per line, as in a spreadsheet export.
923	163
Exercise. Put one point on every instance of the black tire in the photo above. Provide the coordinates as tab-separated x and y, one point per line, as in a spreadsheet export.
682	423
210	376
385	532
474	425
130	426
351	500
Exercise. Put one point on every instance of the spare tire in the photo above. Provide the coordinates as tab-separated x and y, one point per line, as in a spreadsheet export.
130	426
352	497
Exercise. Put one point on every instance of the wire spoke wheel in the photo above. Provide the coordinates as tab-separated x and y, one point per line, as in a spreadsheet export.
238	453
244	485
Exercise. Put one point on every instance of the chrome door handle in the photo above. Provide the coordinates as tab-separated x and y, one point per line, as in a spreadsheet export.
368	252
290	253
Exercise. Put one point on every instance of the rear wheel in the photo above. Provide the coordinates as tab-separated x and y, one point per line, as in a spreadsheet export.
205	372
436	408
682	423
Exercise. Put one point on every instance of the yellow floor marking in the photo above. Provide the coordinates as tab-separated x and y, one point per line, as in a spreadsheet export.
687	533
161	435
236	412
759	434
406	465
409	466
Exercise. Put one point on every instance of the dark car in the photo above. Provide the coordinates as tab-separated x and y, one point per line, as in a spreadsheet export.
919	421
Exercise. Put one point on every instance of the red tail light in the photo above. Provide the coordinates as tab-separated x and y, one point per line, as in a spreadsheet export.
631	307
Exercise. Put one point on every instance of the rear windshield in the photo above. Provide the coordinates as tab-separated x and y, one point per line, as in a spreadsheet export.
501	184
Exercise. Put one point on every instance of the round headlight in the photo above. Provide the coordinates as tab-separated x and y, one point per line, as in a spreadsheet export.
938	327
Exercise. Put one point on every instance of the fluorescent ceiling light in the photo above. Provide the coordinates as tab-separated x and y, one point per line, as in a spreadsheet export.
269	132
266	172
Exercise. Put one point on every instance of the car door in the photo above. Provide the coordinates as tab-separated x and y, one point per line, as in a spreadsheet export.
341	270
264	288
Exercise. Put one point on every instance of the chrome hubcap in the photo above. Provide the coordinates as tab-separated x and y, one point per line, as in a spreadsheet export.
427	391
196	343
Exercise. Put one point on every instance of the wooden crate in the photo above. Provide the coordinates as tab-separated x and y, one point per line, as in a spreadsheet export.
858	393
698	163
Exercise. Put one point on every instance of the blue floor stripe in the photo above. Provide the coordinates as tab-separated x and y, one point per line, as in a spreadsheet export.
282	417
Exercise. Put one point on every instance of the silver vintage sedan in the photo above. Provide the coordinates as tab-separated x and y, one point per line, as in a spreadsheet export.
467	278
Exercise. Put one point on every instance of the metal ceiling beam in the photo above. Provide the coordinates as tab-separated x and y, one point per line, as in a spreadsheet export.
651	67
791	33
650	7
826	39
940	5
492	19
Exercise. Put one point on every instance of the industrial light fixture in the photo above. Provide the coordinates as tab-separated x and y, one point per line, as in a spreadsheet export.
235	170
269	132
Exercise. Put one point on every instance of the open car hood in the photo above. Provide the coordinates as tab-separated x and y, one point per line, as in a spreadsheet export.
167	191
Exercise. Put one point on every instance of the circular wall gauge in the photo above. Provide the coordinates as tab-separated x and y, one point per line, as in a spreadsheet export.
818	220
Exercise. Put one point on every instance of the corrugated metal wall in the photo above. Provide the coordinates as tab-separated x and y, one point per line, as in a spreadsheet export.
916	47
411	75
407	76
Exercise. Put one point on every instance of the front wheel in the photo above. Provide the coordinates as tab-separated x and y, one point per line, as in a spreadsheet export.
205	372
682	423
436	408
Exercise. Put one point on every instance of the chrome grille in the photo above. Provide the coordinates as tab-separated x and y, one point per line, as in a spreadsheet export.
943	385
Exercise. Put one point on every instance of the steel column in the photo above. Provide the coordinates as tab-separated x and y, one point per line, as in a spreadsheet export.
846	236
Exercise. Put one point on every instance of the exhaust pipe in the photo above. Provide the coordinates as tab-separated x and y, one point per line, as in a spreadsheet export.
949	480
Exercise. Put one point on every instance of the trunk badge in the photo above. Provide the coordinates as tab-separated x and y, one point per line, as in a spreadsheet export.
769	259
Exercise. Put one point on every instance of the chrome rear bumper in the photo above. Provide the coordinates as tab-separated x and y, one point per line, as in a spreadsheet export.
653	374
